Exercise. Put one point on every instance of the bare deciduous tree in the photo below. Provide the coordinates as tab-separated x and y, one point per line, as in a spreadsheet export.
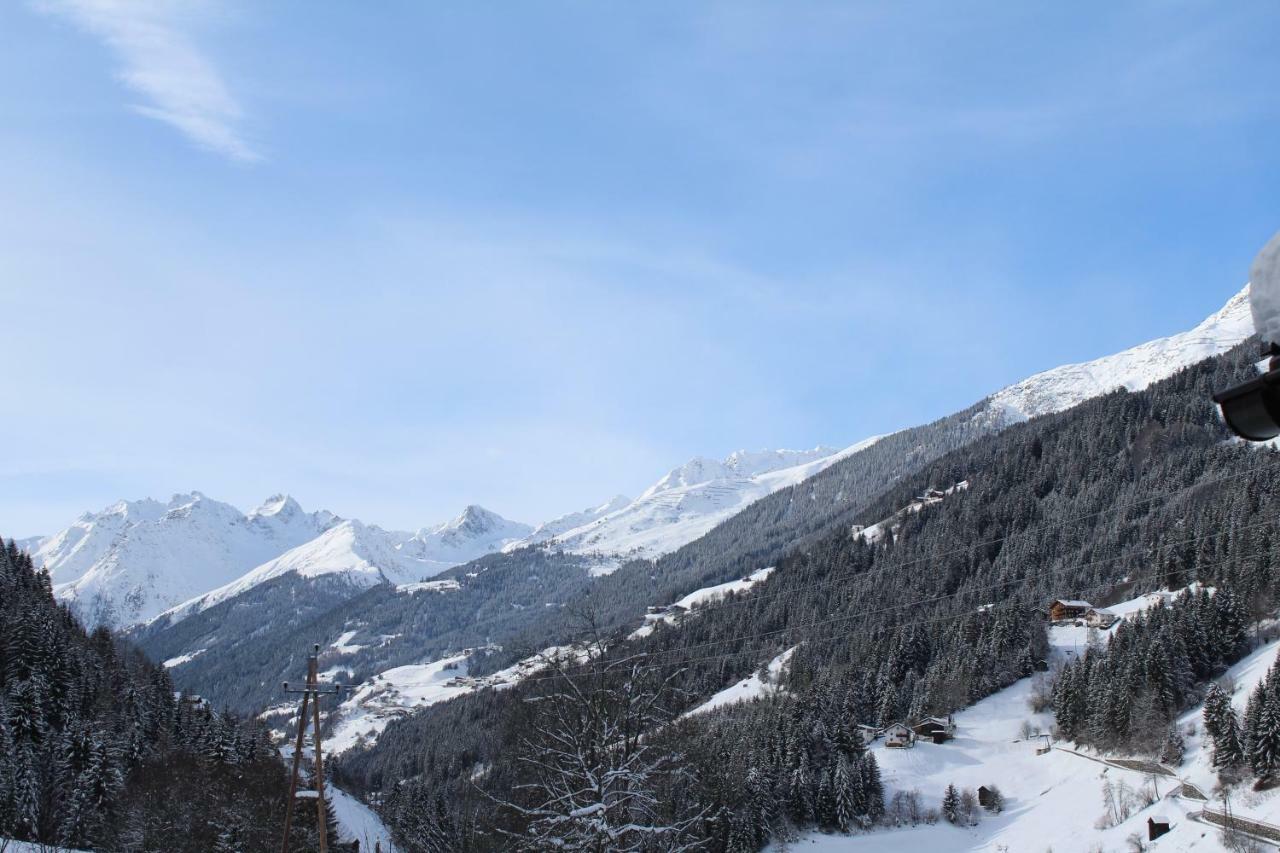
593	780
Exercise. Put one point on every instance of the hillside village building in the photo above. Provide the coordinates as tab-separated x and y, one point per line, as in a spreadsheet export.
1063	609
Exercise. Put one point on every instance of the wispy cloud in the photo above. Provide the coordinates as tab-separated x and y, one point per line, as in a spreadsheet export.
159	61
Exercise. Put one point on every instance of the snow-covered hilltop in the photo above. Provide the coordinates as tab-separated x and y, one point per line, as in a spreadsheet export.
365	555
1134	369
688	501
133	559
136	559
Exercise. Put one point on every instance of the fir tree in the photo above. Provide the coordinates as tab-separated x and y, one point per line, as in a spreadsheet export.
951	804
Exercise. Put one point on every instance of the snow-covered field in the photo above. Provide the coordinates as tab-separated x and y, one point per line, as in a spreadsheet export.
393	694
706	595
1052	801
399	691
750	688
358	822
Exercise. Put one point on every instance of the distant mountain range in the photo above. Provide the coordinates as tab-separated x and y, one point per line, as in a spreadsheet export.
134	560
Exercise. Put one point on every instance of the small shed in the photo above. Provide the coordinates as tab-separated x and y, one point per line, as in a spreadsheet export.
936	729
1157	825
1063	609
1100	617
899	736
986	797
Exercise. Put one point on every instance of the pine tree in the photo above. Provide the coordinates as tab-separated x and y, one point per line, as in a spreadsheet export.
1228	751
848	793
872	789
1173	749
1217	705
951	804
799	793
1264	757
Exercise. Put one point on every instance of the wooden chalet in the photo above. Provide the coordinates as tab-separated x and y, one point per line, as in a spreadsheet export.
986	797
1157	826
899	736
1064	609
1100	617
936	729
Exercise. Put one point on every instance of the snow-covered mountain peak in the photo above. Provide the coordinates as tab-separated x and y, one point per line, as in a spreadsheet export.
476	520
278	505
687	502
133	559
365	555
739	464
1134	369
474	533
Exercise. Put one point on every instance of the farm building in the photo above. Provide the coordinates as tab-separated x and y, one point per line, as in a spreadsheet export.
869	733
1062	609
986	797
936	729
899	736
1099	617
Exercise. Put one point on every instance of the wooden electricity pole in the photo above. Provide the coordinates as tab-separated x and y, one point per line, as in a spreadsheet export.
311	694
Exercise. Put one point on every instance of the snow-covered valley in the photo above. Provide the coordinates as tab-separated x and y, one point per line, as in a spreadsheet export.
1054	801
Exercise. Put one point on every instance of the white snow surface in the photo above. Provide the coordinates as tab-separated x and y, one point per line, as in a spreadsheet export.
1052	800
690	500
134	559
366	555
750	688
571	521
393	694
446	585
677	611
396	692
1264	300
358	822
9	846
1071	384
181	659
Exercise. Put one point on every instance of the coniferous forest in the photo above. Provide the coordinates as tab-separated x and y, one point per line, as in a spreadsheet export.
1125	494
97	751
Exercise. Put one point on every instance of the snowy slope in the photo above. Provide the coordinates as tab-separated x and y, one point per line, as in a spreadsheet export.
1063	387
366	555
571	521
398	691
474	533
750	688
392	694
357	822
690	500
674	613
132	560
1052	800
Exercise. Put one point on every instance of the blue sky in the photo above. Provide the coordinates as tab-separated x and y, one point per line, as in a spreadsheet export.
531	255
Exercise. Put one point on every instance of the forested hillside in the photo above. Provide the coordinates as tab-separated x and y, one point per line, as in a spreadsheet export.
1125	493
524	600
98	752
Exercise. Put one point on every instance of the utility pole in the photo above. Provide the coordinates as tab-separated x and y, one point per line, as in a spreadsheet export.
311	694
